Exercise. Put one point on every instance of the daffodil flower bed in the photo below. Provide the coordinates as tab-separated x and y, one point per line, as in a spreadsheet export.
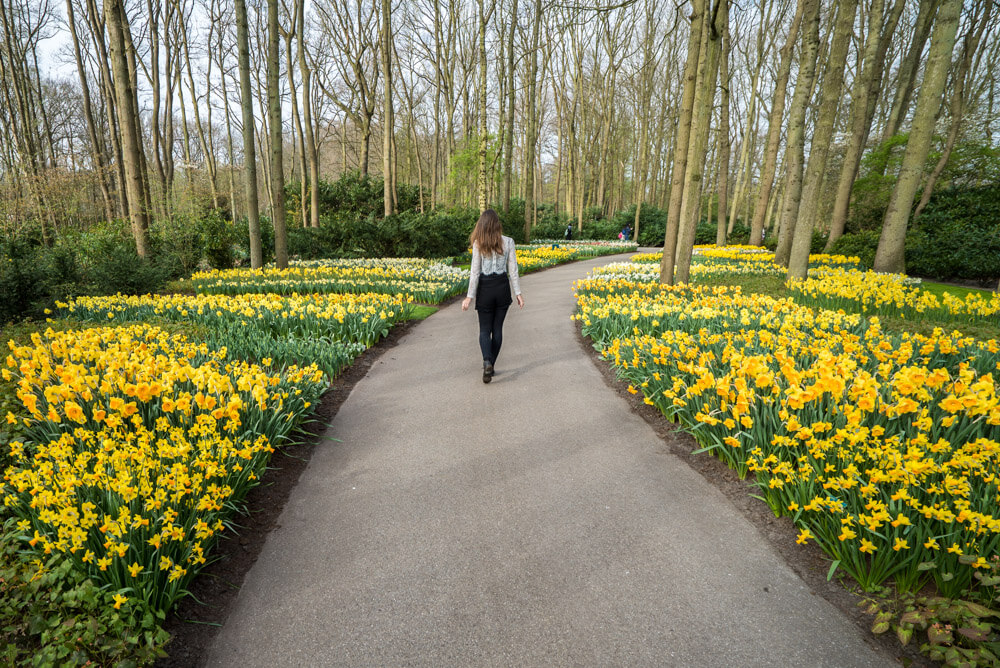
745	260
139	448
328	329
540	255
423	280
890	295
584	248
883	448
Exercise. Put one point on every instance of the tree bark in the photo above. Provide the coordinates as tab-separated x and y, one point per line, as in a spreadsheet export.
128	123
311	148
833	83
890	256
774	128
795	144
531	135
708	66
249	149
388	123
864	94
957	105
274	125
97	144
697	17
723	178
909	67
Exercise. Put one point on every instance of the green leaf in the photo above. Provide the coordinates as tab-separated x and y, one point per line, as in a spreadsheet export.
926	566
880	627
938	635
979	610
904	635
974	634
833	567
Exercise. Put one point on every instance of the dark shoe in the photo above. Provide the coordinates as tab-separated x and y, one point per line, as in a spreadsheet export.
487	372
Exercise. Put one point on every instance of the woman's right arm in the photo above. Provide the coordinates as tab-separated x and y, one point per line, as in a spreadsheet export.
475	270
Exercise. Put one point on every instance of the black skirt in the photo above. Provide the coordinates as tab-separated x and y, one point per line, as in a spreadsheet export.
493	292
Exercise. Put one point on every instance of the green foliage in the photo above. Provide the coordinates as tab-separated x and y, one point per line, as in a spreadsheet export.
217	237
951	631
862	244
408	234
353	195
873	187
242	249
957	235
108	264
24	278
463	175
51	614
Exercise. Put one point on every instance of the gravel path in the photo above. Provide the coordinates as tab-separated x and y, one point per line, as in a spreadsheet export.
534	521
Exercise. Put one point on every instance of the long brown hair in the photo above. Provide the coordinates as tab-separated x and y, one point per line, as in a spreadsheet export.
487	234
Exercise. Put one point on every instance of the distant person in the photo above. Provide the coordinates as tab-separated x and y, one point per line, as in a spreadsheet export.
626	232
568	234
492	276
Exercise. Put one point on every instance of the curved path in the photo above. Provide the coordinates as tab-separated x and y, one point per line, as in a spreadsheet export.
534	521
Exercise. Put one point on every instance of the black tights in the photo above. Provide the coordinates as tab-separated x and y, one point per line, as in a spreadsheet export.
491	332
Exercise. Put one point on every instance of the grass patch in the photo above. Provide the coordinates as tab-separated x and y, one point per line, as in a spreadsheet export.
939	289
422	312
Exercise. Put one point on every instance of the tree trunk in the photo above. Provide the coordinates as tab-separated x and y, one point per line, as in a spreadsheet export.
723	178
697	17
388	124
531	135
795	144
97	144
274	124
864	94
311	148
833	83
483	138
508	148
708	65
891	245
774	128
249	149
909	67
128	123
957	106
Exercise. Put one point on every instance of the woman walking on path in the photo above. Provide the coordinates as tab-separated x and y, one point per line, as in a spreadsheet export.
491	277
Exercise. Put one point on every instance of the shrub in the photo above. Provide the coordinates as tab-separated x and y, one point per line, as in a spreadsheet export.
652	223
862	244
957	236
218	237
25	277
241	250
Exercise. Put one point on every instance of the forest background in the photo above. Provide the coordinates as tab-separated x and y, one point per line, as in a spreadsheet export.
140	139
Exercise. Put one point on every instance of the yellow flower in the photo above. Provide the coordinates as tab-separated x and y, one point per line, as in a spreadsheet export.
119	599
134	569
900	544
867	546
932	544
847	534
